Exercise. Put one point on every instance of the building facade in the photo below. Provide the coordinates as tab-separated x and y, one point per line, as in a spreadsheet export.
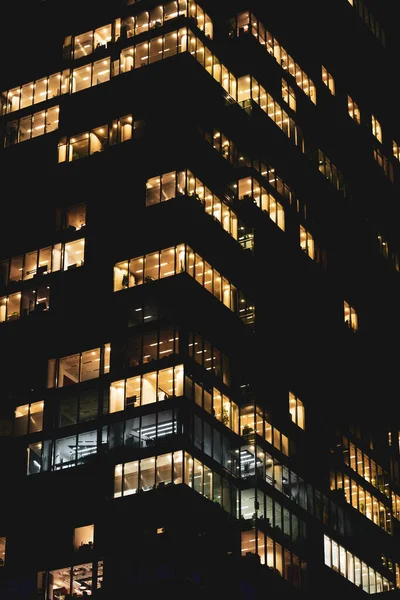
233	429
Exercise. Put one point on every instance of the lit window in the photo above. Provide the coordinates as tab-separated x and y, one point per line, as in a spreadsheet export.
28	418
78	367
297	410
350	317
396	150
376	128
328	80
353	109
307	242
2	551
83	537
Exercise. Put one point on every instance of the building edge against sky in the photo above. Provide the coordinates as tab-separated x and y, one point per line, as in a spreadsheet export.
199	292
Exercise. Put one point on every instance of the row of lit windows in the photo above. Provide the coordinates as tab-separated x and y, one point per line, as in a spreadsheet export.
22	304
78	367
61	256
83	44
275	556
167	383
227	148
31	126
95	140
177	183
144	431
365	466
254	504
63	453
169	262
146	389
173	43
253	419
209	357
246	23
217	404
331	172
68	582
384	163
249	89
350	316
174	468
362	500
147	430
250	188
369	20
178	42
254	461
155	345
97	72
35	92
353	569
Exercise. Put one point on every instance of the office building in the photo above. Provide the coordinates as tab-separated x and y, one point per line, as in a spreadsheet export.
199	300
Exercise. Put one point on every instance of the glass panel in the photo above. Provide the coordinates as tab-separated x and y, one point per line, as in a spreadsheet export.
82	580
131	478
149	389
164	469
98	139
136	271
87	444
133	391
81	78
25	129
68	372
147	473
27	95
101	71
167	261
117	396
74	254
126	128
78	147
152	262
13	307
36	417
59	583
30	265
